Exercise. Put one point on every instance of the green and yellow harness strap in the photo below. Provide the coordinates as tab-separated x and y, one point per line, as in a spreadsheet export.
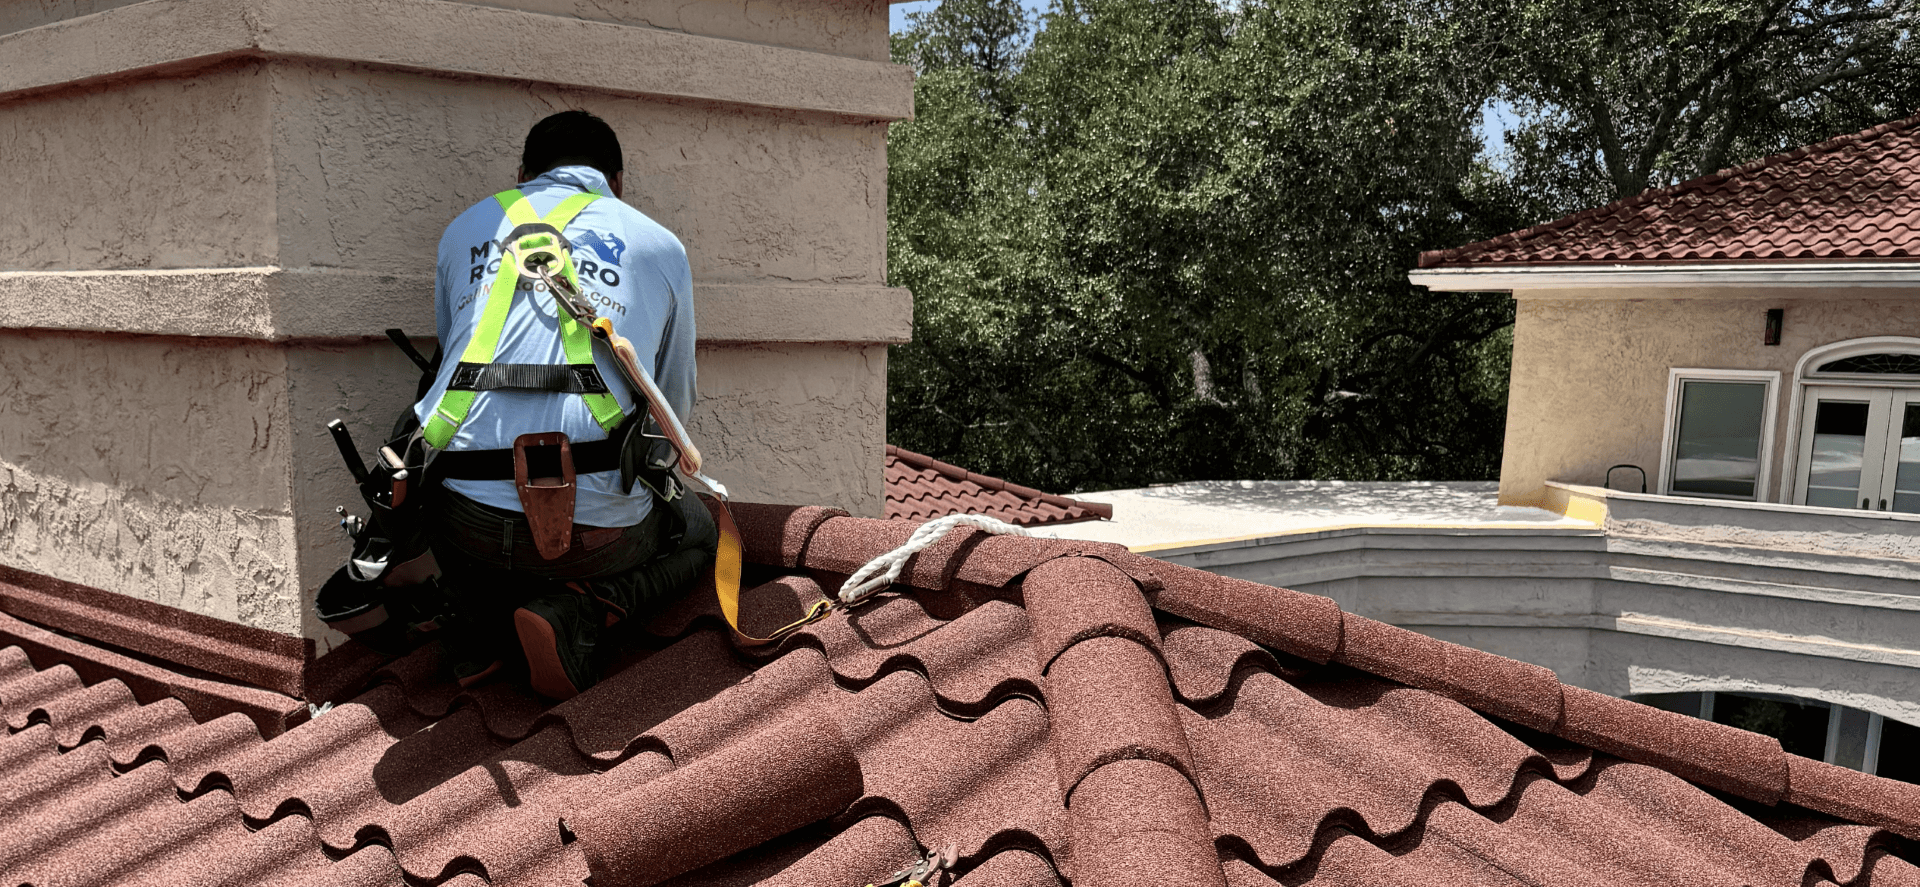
575	338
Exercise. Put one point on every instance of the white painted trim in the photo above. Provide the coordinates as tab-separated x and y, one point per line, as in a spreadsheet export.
1745	274
1675	376
1797	396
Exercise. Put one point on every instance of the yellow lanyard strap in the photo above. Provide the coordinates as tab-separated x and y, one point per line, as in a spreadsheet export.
727	561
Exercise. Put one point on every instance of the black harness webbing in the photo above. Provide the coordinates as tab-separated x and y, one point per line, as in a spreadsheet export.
567	378
588	458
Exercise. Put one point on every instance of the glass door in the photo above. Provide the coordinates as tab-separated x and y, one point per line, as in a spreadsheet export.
1843	447
1900	471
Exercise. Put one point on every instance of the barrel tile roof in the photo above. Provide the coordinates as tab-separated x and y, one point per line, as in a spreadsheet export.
1852	198
1050	711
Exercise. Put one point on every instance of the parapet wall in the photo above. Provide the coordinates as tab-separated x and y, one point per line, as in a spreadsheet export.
218	205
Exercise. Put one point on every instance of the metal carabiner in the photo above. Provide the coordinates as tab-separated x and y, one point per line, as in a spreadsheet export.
923	871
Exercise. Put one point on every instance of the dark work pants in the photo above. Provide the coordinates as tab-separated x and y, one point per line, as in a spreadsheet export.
489	564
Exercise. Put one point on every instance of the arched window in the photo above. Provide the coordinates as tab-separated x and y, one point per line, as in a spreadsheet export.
1855	426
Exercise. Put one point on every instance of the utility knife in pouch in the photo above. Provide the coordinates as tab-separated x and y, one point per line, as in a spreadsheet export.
543	476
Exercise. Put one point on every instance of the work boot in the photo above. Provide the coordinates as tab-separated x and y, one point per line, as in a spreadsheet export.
559	632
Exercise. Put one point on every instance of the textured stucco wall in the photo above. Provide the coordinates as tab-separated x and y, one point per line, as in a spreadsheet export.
1589	385
19	15
196	193
150	466
855	28
372	164
796	423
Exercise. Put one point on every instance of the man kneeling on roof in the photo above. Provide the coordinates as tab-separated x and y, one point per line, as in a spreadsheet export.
540	529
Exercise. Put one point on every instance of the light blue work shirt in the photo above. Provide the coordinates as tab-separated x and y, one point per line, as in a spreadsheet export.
635	273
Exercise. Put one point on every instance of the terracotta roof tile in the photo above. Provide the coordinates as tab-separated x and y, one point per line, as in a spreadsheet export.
1852	198
1098	715
921	488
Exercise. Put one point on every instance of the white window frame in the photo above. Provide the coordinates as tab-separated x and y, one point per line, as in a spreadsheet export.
1768	431
1806	372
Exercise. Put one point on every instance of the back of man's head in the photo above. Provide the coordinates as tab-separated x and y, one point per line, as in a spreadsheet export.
570	138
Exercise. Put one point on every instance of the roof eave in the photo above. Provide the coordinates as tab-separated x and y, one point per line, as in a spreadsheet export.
1510	277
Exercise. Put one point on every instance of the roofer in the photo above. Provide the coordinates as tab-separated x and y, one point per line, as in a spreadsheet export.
560	557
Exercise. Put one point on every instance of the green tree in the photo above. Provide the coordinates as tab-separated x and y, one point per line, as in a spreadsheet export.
1621	95
1162	240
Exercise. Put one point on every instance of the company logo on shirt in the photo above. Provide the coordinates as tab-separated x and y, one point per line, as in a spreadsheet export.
486	258
609	247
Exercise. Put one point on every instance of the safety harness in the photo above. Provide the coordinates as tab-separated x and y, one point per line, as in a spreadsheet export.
536	258
534	242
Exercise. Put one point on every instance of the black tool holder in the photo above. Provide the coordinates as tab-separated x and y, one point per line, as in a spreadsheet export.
359	599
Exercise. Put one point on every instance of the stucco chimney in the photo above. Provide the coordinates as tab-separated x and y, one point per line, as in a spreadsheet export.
214	207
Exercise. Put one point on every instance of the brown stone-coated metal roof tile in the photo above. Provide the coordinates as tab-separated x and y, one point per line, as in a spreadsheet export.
1072	599
1188	728
204	697
1521	692
1854	796
1140	822
787	775
1747	764
921	488
970	786
1285	761
1846	199
1202	661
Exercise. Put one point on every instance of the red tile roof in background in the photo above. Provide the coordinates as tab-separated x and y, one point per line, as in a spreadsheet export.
1856	197
1042	707
921	488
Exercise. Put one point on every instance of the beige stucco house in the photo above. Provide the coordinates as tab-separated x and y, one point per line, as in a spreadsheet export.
1751	336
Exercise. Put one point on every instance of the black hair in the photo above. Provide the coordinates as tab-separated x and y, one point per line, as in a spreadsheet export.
570	138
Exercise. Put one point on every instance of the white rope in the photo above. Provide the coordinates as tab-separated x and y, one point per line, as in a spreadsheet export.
884	570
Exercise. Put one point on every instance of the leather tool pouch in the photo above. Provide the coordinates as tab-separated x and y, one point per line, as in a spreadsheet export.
543	476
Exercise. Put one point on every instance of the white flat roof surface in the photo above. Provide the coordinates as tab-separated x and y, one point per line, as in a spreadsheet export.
1198	512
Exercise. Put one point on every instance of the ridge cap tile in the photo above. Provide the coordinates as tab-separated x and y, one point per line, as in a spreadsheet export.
1304	625
1727	758
1140	822
1526	694
1110	700
778	534
795	772
1070	600
1854	796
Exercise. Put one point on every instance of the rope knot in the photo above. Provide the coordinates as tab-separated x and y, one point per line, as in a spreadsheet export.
884	570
